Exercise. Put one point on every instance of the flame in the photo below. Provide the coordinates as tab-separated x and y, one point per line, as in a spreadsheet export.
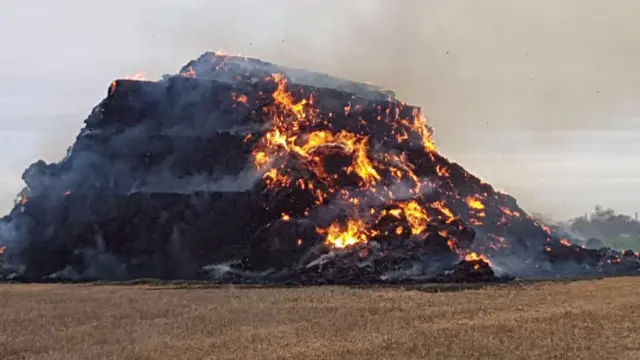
565	242
221	52
474	202
290	138
416	216
240	98
440	205
442	171
363	166
139	76
354	232
2	249
474	256
285	217
285	98
510	212
420	126
273	178
284	138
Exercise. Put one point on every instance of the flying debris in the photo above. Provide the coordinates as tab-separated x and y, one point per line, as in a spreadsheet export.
239	170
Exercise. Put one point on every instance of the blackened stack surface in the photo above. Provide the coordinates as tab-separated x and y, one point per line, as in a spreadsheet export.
169	179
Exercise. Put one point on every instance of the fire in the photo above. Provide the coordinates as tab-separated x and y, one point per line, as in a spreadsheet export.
474	202
416	216
420	126
139	76
510	212
261	159
2	249
442	171
355	162
221	52
288	138
274	178
284	98
440	205
474	256
240	98
284	138
363	166
342	236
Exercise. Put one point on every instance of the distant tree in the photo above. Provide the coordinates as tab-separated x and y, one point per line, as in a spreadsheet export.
604	223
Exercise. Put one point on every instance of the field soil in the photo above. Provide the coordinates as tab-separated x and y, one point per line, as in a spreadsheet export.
596	319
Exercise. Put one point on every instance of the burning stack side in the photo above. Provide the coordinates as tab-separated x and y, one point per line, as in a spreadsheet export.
240	170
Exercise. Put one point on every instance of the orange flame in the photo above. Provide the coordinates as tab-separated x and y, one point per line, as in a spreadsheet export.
221	52
416	216
287	138
442	171
473	256
363	166
420	126
354	232
474	202
440	205
242	98
139	76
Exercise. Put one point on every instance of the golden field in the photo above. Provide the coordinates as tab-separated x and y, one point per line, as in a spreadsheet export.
597	319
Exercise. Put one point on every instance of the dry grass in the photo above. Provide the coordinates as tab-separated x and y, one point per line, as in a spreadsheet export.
581	320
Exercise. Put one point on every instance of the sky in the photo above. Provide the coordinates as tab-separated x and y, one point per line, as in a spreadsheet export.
539	98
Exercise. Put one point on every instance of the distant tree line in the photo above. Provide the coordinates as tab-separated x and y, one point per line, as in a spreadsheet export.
604	224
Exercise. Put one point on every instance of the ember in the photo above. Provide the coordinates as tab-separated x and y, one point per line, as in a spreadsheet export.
243	171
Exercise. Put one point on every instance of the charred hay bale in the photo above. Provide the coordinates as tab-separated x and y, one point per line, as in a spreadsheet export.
161	235
229	68
468	271
594	243
281	244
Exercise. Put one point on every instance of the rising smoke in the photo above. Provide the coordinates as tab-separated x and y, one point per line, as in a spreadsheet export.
494	77
491	75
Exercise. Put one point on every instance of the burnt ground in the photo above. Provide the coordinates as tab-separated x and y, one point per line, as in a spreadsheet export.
587	319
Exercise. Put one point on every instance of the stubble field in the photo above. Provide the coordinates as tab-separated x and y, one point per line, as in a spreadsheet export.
597	319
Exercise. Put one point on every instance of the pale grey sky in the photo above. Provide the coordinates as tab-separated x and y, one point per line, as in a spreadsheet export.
539	98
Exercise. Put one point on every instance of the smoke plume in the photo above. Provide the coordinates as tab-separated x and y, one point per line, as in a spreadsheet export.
492	76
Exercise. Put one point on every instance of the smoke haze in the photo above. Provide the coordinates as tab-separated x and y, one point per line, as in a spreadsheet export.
538	98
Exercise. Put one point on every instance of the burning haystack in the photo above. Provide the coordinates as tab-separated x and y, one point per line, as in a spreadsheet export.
240	170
